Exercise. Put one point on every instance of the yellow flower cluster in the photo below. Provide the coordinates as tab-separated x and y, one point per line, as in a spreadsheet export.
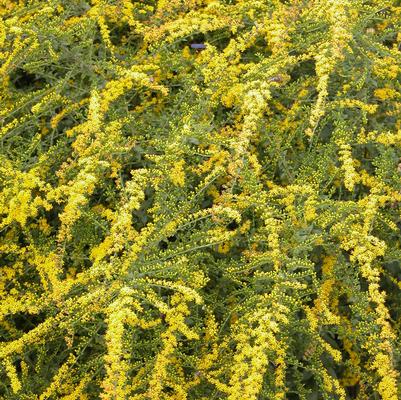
365	249
389	378
116	359
175	319
251	359
386	94
12	375
351	177
178	174
386	67
17	200
331	53
61	380
121	230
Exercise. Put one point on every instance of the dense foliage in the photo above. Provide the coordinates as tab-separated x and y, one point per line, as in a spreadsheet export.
200	199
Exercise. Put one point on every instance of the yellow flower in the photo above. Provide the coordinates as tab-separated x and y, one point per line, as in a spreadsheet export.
386	94
11	372
177	174
351	177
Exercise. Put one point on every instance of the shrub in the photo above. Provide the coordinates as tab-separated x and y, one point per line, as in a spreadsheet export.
200	199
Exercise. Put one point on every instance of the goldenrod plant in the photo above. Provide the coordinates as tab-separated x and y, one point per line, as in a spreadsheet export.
200	199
